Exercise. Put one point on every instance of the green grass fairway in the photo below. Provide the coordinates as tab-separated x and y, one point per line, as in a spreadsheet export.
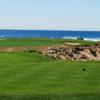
30	76
39	42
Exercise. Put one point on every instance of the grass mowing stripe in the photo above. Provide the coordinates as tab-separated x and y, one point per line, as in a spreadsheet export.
33	75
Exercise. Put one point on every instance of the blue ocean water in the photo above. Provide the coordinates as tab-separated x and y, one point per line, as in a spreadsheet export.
87	35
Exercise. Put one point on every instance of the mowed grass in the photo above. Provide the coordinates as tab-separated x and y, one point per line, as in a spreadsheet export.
39	42
32	76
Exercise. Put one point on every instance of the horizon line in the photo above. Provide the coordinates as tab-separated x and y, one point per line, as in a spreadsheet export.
50	29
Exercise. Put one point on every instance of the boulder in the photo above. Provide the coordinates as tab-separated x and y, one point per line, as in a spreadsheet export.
79	53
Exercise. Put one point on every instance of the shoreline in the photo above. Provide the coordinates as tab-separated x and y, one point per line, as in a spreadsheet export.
69	38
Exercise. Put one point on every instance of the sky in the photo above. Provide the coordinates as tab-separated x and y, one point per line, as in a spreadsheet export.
50	14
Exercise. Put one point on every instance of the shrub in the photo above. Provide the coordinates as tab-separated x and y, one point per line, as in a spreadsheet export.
80	38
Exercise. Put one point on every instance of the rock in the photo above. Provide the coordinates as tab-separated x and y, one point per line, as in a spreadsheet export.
62	57
79	53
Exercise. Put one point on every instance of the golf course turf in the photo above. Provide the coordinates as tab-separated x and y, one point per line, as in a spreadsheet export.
38	42
32	76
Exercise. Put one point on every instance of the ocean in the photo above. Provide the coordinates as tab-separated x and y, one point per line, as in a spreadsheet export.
87	35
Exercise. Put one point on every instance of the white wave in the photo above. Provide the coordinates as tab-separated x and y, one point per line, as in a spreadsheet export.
92	39
68	37
87	39
52	38
2	36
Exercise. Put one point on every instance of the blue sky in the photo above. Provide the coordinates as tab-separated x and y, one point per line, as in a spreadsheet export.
50	14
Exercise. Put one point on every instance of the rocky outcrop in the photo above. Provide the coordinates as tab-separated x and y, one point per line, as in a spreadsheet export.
77	52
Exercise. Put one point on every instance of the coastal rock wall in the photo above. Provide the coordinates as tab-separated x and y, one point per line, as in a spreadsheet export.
74	53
